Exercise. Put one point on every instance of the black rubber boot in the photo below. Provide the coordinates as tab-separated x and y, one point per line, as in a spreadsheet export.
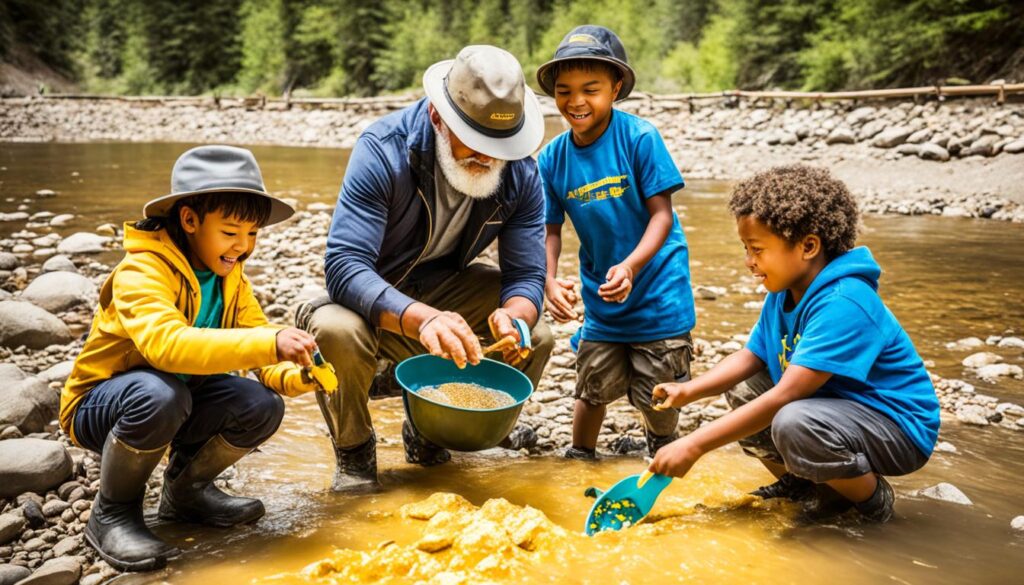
419	449
879	507
116	527
357	468
789	486
655	442
190	496
826	505
580	453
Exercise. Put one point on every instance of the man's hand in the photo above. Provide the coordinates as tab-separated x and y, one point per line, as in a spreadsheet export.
676	458
448	335
671	395
295	345
561	298
501	325
620	283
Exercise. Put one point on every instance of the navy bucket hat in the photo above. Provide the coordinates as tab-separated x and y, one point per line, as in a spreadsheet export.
589	42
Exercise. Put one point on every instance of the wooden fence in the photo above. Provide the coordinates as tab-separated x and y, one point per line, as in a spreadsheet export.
999	91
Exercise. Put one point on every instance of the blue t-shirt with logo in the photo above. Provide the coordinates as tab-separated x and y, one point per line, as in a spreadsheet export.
603	186
841	326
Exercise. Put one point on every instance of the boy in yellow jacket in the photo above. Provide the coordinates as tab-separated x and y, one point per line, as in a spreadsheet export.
174	316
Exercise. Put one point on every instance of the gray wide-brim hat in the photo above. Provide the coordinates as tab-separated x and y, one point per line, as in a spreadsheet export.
216	169
591	42
483	98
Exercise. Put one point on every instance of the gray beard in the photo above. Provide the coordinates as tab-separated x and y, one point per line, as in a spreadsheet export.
471	184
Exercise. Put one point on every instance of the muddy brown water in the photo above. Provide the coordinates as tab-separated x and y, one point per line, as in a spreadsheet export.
943	278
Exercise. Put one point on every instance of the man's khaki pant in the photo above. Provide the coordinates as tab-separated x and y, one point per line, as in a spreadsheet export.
353	346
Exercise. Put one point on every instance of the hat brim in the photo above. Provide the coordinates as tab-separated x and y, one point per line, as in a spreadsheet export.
548	84
518	146
161	206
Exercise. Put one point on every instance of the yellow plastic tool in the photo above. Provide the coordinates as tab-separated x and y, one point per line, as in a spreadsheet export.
323	372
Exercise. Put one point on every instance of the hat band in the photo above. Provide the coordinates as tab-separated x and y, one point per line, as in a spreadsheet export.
489	132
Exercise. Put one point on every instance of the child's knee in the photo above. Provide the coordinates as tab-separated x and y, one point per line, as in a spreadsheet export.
262	412
160	404
792	428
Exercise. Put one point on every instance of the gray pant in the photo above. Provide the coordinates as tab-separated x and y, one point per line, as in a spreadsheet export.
822	439
353	346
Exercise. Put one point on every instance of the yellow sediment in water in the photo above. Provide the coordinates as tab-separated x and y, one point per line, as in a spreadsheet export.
497	542
454	542
466	395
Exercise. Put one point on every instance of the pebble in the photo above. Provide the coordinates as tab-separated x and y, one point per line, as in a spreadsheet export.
1017	523
945	447
60	571
946	492
11	574
11	526
980	359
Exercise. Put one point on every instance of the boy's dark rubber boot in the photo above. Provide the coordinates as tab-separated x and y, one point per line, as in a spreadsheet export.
825	505
190	496
420	450
789	486
116	527
655	442
580	453
357	468
522	437
879	507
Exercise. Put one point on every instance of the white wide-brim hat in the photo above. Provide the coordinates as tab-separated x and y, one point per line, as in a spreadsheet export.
483	98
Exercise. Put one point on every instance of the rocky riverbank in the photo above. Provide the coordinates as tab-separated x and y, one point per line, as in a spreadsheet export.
958	158
46	302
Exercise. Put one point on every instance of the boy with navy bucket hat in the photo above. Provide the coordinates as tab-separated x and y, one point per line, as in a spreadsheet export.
174	316
613	176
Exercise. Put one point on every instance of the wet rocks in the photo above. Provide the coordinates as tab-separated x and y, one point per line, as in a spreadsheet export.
83	243
8	261
981	359
59	291
946	492
25	324
991	373
32	465
1017	524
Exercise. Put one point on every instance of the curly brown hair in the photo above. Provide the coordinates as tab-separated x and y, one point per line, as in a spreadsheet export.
796	201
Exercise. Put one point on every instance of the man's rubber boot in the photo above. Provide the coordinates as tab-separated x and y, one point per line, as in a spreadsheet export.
190	496
789	486
879	507
357	468
116	528
419	449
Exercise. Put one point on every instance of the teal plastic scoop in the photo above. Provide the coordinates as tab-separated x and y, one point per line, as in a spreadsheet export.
626	503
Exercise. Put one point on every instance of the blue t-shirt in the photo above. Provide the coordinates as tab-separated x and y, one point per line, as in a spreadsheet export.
603	186
841	326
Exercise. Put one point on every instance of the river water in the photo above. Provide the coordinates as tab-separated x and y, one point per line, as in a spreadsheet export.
944	278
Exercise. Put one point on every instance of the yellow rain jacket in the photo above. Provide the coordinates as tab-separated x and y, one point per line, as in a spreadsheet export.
147	308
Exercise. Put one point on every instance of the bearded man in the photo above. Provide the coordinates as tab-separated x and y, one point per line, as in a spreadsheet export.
426	190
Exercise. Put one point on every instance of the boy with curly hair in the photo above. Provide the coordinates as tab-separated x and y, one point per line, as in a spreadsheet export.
847	399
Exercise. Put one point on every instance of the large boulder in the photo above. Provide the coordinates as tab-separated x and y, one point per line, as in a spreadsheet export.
32	465
27	403
83	243
25	324
11	574
60	291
